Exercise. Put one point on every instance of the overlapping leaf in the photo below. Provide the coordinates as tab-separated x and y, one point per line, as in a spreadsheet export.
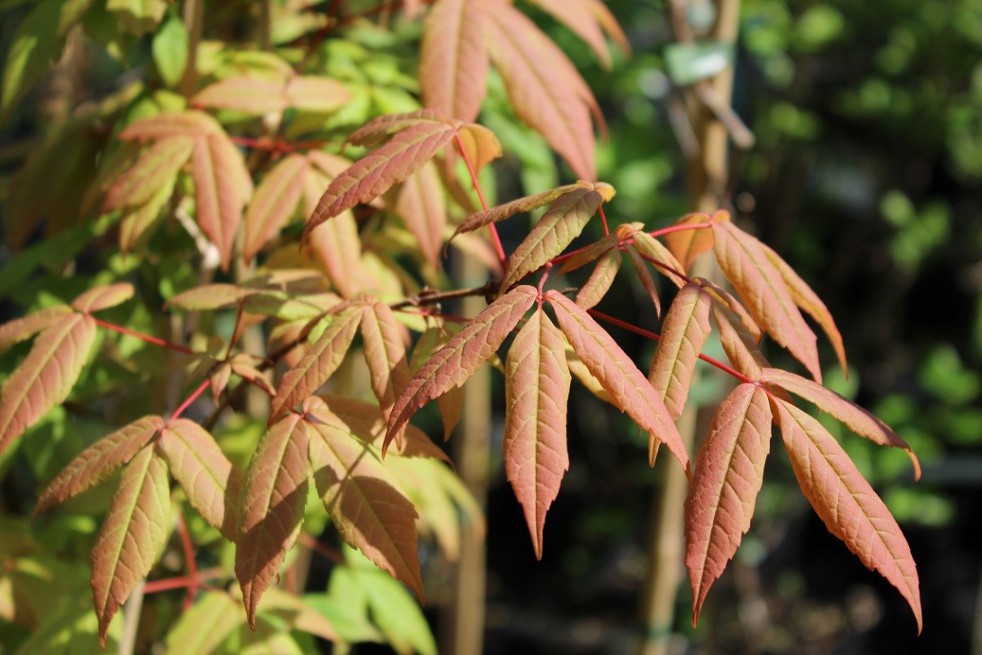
770	303
377	172
509	209
588	19
366	422
462	356
688	245
644	275
155	168
384	341
132	535
454	64
162	126
729	473
847	503
557	228
209	480
21	329
46	375
273	203
537	381
420	204
855	417
273	497
379	129
600	280
628	387
321	360
100	460
222	186
103	297
653	250
683	334
363	499
335	243
256	95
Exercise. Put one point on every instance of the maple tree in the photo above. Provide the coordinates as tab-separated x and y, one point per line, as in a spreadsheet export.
258	140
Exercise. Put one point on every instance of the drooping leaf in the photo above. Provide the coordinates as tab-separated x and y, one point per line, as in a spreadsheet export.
378	171
321	360
210	482
377	130
846	502
600	280
644	275
544	87
759	282
461	357
273	497
683	334
809	301
628	387
103	297
132	535
99	461
688	245
453	64
384	341
46	376
537	383
729	473
154	169
421	206
221	188
361	496
585	377
450	404
654	251
557	228
855	417
509	209
21	329
273	203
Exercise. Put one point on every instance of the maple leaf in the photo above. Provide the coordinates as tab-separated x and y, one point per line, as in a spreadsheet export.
379	129
770	303
588	19
209	480
461	356
273	497
853	416
46	376
846	502
21	329
557	228
321	360
454	64
653	250
688	245
365	421
477	144
275	200
644	275
378	171
591	253
544	87
103	297
728	475
155	168
336	243
384	342
421	206
738	343
99	461
537	381
132	535
162	126
222	186
629	390
363	499
683	334
509	209
600	280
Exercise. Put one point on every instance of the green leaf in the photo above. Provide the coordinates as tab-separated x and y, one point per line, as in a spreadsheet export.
36	44
170	50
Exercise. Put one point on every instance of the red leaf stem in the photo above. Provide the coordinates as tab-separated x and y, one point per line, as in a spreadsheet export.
603	219
194	579
495	239
181	581
190	399
157	341
679	228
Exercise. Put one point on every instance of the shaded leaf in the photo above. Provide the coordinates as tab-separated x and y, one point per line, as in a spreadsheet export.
600	280
170	50
683	334
453	63
579	16
336	244
384	342
378	171
362	497
544	87
366	422
421	206
35	45
855	417
461	357
846	502
759	282
46	376
210	482
103	297
629	389
321	360
221	188
644	275
536	393
727	479
21	329
586	378
154	169
688	245
478	145
557	228
275	200
137	224
132	535
738	344
273	498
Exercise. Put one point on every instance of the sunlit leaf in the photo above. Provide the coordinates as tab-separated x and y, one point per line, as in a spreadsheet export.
655	251
536	393
728	475
377	130
221	188
479	145
462	356
644	275
103	297
509	209
336	244
366	422
384	342
629	389
154	169
453	63
273	203
683	334
688	245
600	280
21	329
185	123
201	629
244	93
846	502
132	535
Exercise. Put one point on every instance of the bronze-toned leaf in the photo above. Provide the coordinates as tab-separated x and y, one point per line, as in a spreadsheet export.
103	297
683	334
274	202
21	329
453	62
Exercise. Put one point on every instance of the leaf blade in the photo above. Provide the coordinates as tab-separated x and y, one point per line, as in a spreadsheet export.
275	200
384	342
684	333
454	63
